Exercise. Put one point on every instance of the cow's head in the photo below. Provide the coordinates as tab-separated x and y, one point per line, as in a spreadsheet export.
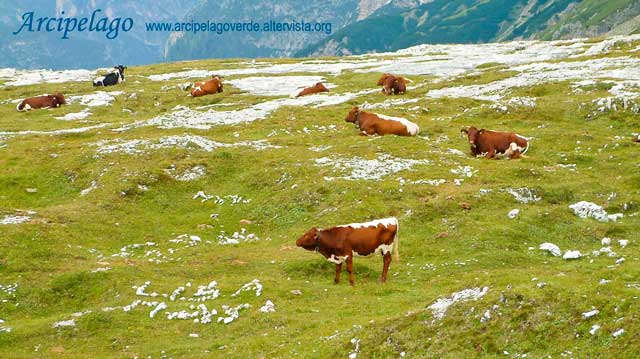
219	86
120	70
352	116
59	99
384	78
309	240
321	86
472	134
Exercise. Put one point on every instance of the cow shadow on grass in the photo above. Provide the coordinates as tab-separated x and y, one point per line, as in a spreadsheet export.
324	270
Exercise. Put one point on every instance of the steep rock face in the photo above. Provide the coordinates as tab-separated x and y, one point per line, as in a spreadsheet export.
261	44
591	18
393	26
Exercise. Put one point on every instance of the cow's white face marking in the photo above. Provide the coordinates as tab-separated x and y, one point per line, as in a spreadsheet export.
337	259
411	127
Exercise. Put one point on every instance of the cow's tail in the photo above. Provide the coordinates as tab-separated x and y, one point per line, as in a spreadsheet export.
396	253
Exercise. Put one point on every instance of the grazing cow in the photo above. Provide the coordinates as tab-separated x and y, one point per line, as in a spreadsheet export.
112	78
212	86
44	101
341	243
392	84
490	143
319	87
374	124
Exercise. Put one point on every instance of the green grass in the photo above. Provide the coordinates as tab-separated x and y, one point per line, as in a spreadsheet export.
51	257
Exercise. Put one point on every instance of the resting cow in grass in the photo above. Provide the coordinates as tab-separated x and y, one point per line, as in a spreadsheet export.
491	143
392	84
339	244
209	87
317	88
44	101
112	78
375	124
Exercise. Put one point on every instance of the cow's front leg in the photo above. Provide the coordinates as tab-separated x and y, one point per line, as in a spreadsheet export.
385	267
490	154
338	270
352	278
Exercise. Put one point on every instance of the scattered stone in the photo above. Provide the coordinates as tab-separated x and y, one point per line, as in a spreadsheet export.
589	314
65	323
551	248
268	307
584	209
572	255
439	307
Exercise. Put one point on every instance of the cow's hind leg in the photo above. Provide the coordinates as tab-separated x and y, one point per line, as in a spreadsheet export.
385	268
338	270
352	278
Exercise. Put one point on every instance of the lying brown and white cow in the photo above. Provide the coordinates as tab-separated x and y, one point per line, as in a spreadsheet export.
44	101
392	84
490	143
212	86
317	88
375	124
339	244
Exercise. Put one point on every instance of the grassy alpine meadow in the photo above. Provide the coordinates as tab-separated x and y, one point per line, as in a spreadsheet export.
109	250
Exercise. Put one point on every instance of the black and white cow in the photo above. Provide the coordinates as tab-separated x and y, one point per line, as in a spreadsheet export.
112	78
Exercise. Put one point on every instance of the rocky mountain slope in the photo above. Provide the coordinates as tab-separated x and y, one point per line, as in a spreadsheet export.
473	21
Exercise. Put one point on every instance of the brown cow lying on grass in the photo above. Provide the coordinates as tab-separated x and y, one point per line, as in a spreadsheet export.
375	124
490	143
341	243
212	86
392	84
317	88
44	101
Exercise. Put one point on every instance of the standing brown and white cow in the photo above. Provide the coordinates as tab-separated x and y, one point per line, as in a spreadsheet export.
212	86
375	124
44	101
339	244
490	143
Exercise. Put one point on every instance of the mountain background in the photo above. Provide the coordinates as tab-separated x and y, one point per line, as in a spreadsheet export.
358	27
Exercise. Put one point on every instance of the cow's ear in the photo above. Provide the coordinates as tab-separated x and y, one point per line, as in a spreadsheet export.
481	131
465	131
